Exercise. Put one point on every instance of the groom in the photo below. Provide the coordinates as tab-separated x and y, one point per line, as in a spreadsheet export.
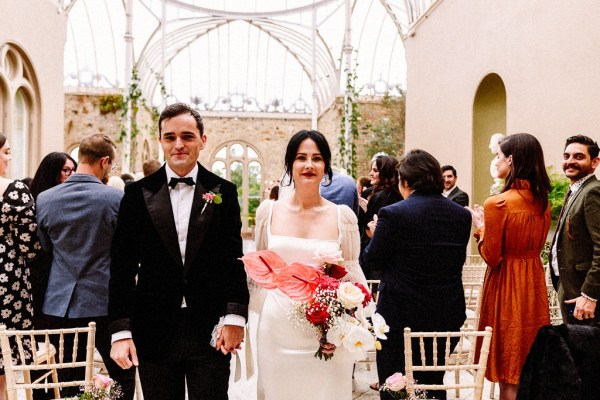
175	271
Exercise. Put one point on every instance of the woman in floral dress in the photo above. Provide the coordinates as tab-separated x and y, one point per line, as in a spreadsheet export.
18	243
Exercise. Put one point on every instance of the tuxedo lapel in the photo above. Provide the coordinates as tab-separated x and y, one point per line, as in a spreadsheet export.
161	213
199	221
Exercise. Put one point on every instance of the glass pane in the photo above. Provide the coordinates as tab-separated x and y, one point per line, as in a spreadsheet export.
237	150
252	206
237	173
19	145
252	153
222	153
75	153
218	168
254	170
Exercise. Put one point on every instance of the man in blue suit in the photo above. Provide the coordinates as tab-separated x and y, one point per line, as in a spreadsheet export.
76	223
340	190
420	245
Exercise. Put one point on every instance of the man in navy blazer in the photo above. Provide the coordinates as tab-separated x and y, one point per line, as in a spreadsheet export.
76	223
176	271
419	244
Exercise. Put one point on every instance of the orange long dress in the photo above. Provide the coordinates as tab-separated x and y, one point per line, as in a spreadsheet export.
515	300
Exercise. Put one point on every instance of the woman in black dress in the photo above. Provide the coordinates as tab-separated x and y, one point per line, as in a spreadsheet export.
384	191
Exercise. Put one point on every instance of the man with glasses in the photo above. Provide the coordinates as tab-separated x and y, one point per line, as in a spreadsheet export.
76	222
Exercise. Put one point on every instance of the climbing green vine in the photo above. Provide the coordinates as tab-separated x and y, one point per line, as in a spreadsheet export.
347	142
129	106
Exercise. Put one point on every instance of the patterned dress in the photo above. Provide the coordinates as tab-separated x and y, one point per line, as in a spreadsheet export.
18	242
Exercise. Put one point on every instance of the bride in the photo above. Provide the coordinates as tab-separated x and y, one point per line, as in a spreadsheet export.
294	228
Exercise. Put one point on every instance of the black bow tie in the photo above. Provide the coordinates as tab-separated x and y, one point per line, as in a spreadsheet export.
187	180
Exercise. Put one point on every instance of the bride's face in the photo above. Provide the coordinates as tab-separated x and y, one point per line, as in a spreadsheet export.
309	165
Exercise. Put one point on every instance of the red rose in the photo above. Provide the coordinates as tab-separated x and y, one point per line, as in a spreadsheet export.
328	283
368	296
335	271
317	313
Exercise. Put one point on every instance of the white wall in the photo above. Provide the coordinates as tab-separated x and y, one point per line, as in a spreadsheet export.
40	31
546	52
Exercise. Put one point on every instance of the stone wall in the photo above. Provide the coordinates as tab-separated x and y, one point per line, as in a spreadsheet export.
268	135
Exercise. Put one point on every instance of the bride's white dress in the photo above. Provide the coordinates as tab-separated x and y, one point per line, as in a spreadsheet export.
287	368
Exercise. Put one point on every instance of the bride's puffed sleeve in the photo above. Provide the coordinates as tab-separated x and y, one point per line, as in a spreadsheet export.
351	246
260	230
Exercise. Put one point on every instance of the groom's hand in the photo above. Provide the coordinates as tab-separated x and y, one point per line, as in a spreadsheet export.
230	339
124	354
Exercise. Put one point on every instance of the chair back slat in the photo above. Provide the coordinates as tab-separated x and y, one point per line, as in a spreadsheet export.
459	358
43	358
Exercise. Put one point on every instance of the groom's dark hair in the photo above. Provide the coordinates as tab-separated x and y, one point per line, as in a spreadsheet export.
176	109
294	144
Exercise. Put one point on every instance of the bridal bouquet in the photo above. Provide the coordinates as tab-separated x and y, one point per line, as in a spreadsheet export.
338	311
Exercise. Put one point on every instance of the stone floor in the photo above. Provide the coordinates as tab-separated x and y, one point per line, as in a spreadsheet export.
364	376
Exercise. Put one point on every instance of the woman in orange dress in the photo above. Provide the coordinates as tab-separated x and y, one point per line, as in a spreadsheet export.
512	230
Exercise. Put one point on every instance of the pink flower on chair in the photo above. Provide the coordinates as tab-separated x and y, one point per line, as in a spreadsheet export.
102	381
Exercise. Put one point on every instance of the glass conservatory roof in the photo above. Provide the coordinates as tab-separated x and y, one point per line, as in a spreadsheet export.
239	55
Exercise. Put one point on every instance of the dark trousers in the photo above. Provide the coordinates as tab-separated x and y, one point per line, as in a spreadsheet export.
125	378
188	359
391	360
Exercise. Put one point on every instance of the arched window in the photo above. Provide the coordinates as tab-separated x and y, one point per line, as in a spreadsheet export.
20	136
19	110
239	163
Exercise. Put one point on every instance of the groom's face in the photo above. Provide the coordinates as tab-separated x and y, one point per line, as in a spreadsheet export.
181	142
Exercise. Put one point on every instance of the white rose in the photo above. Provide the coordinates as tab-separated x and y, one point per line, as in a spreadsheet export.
350	295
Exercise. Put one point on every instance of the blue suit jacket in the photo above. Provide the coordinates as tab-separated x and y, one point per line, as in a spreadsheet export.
76	222
341	190
420	246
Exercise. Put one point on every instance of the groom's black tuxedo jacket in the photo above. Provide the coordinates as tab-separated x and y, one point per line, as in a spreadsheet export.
145	247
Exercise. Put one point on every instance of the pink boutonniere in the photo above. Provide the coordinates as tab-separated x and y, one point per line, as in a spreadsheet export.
210	197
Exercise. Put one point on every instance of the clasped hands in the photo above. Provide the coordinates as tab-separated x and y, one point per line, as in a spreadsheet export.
229	340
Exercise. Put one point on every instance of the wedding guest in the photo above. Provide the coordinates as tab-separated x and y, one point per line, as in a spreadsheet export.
150	166
511	231
127	178
295	227
384	180
420	245
76	222
274	193
362	184
18	244
53	170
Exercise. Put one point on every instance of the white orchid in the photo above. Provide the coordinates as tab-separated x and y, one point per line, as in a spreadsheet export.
380	328
358	341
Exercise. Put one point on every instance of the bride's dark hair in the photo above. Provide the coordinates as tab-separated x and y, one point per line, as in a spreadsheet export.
294	144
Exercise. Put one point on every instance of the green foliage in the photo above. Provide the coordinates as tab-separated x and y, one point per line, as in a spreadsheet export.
348	145
111	103
386	135
560	185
